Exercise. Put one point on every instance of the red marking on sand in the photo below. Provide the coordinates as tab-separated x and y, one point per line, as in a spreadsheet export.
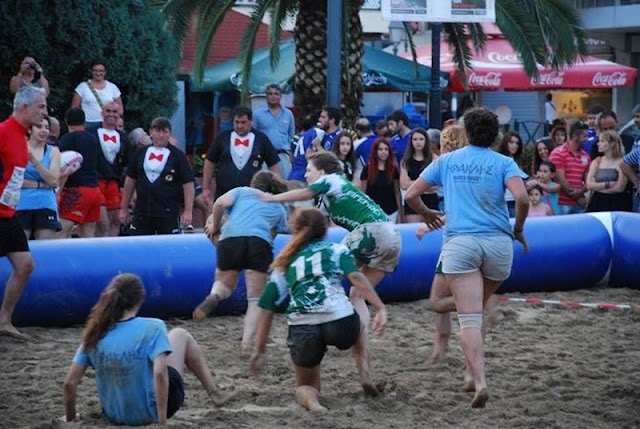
571	304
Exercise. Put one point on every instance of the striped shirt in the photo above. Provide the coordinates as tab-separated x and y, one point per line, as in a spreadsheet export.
633	159
575	167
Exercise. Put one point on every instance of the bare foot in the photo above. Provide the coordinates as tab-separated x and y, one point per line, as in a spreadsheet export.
11	331
317	408
439	352
205	308
371	389
219	397
468	384
481	398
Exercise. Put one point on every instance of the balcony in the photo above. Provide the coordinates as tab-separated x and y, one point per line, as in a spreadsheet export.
610	15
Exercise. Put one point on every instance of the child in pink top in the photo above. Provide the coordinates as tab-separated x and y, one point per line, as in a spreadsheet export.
538	208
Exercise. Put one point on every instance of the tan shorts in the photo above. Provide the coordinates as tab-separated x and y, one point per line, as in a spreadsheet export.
491	255
376	245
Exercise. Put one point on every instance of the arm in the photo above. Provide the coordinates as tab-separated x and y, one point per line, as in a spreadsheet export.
275	169
14	83
361	283
519	192
189	192
257	360
431	217
548	210
396	194
51	175
161	386
225	201
628	171
120	105
208	181
127	193
620	184
70	387
76	100
45	84
405	182
290	196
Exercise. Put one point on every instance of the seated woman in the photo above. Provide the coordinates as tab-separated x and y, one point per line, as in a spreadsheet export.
245	243
138	366
309	270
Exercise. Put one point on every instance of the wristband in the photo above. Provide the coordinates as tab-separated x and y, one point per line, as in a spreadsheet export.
517	230
607	184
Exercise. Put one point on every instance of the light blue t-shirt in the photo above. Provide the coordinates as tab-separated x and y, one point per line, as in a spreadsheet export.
123	361
249	216
474	180
280	129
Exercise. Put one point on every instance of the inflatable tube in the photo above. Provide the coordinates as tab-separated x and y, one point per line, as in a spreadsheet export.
566	252
625	264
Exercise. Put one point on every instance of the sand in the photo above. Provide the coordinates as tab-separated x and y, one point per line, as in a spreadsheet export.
547	367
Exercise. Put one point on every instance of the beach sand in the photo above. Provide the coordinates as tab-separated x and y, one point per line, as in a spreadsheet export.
547	367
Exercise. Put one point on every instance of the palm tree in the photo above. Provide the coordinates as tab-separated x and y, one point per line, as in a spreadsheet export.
547	32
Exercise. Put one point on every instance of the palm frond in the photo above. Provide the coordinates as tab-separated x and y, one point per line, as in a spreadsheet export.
458	40
281	11
477	36
179	16
248	42
211	14
413	48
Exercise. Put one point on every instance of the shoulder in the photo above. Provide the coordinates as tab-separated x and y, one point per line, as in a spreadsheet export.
82	86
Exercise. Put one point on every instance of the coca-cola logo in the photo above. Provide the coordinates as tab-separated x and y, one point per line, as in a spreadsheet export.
490	79
549	79
496	57
609	80
373	78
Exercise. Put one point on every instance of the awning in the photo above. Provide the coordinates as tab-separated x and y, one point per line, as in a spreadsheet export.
381	72
498	66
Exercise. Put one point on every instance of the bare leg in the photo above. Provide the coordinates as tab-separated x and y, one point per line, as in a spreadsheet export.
23	266
222	288
255	282
114	222
308	388
67	226
187	352
442	303
87	230
102	226
360	350
45	234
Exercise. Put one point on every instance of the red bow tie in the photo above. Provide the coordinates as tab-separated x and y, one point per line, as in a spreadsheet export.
106	138
153	156
239	142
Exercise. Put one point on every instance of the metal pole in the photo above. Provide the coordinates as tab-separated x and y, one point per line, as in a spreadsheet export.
334	49
435	93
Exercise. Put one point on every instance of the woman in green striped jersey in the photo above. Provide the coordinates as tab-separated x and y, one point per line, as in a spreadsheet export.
309	271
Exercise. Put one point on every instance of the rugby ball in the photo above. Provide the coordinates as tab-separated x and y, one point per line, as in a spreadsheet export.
70	162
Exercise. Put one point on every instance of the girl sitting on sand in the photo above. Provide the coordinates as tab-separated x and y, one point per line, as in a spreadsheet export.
309	270
138	366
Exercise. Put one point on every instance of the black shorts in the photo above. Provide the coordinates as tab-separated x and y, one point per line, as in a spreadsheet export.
176	391
308	343
39	219
244	253
152	225
12	238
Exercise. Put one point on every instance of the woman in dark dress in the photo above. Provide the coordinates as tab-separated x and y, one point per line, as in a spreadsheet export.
605	180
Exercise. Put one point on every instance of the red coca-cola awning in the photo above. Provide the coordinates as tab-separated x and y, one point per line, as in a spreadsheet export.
498	66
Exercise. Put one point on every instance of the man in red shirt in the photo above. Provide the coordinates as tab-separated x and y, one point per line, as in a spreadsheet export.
29	108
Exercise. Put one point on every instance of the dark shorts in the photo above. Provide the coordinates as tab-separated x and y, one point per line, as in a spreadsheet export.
80	204
39	219
176	391
244	253
152	225
12	238
110	193
308	343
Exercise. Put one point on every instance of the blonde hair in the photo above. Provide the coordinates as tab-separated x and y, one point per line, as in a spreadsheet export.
452	138
617	149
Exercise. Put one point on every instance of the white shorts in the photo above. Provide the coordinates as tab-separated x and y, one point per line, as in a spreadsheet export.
491	255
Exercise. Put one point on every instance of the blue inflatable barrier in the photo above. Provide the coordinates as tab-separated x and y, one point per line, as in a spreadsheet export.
566	252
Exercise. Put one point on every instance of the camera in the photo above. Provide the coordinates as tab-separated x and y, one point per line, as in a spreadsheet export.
32	65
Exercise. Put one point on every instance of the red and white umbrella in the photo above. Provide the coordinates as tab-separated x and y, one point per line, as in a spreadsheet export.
498	66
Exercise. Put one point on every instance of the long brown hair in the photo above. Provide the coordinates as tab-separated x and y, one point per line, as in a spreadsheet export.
410	151
389	165
266	181
124	293
307	224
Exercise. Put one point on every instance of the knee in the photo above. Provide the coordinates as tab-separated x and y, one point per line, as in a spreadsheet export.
180	334
26	269
438	305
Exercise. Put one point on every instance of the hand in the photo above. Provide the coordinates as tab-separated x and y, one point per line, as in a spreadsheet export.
379	322
123	216
208	196
256	363
519	235
433	219
422	230
186	219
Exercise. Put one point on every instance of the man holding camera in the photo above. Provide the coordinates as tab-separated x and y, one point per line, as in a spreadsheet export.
30	74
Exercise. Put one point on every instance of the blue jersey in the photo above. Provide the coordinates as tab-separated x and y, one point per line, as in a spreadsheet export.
123	361
328	139
299	165
474	182
399	144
